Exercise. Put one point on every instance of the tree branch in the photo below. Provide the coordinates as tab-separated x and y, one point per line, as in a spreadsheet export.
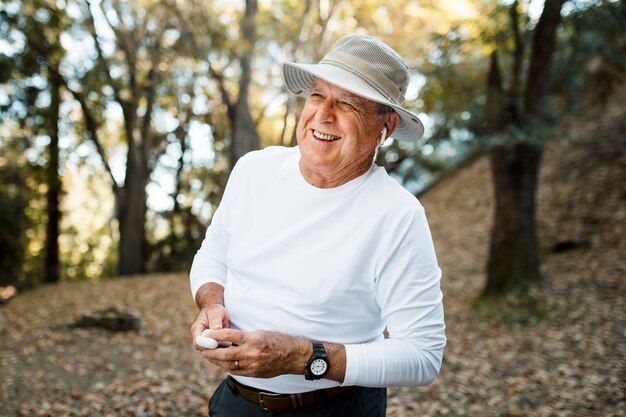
92	128
259	117
544	42
184	117
225	96
493	108
121	32
90	121
101	57
153	80
126	42
518	54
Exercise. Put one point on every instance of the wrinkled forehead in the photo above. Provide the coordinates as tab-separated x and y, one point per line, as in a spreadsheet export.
319	85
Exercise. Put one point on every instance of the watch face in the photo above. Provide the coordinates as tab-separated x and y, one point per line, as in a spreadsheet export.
318	367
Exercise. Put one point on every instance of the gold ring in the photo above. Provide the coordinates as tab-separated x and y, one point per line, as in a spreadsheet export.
237	365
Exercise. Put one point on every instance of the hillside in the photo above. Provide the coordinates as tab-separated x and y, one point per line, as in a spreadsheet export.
563	351
559	352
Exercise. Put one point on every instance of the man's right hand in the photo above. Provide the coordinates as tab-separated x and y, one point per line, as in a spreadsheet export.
212	314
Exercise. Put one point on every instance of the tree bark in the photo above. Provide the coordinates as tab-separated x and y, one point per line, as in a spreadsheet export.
131	216
132	202
513	261
52	264
516	65
544	43
244	134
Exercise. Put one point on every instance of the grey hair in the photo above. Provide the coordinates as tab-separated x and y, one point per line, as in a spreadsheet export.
383	109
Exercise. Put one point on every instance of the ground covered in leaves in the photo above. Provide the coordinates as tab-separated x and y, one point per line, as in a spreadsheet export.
560	351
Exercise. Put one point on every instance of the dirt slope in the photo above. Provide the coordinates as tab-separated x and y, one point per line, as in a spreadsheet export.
564	351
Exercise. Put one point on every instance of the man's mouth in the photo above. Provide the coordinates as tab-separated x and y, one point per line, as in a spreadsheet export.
324	136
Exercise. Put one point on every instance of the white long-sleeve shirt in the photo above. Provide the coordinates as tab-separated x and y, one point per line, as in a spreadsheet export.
335	265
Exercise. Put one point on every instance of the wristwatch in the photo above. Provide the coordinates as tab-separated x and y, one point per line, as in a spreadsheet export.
317	365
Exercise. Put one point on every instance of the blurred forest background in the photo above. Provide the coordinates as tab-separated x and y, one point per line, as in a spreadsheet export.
120	120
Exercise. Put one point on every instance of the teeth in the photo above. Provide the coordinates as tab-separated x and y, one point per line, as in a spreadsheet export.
324	136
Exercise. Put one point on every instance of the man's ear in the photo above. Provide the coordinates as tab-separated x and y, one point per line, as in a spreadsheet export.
393	120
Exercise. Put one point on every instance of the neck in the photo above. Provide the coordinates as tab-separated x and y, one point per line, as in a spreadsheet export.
322	179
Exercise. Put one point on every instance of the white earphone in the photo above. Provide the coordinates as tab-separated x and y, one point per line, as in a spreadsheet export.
383	134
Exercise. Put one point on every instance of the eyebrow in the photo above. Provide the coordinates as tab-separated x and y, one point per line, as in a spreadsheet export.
353	99
347	97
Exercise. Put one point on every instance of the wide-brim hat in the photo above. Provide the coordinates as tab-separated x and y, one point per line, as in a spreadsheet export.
364	66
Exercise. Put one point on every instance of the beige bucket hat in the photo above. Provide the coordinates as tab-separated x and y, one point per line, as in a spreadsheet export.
364	66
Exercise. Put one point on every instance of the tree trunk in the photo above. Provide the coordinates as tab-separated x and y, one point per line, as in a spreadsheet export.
513	260
132	211
544	42
245	137
52	264
133	204
131	216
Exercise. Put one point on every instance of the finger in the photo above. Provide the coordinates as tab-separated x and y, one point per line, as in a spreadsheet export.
234	336
233	367
199	325
218	318
196	329
223	355
193	340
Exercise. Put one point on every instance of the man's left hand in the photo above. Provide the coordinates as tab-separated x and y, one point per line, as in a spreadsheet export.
259	354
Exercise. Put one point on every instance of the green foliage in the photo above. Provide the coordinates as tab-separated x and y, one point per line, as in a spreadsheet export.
87	257
175	251
593	56
590	59
27	116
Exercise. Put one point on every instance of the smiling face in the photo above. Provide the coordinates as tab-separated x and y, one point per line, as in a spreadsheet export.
337	134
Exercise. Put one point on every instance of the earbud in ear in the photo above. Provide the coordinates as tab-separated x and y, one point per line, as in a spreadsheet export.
383	134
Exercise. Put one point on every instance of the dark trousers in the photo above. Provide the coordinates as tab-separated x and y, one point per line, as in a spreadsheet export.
365	402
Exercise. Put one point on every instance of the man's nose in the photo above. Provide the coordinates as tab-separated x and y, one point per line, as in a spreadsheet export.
326	111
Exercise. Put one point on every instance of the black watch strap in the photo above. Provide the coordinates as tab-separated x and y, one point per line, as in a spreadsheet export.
319	354
318	349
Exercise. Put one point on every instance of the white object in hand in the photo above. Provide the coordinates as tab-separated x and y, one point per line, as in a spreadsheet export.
206	342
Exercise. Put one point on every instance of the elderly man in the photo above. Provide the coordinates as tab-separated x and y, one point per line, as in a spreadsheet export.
314	250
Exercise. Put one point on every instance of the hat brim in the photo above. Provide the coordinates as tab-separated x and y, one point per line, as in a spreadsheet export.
299	77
